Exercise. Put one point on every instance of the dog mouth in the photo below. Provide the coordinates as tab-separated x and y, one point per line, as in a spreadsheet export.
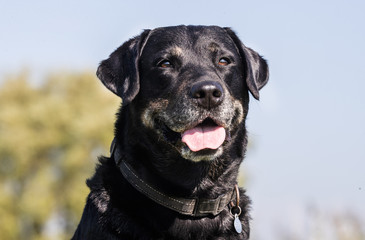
204	136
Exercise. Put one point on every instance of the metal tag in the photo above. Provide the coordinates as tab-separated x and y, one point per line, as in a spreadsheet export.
237	224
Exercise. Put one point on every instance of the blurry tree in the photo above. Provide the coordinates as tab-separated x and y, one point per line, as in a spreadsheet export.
50	137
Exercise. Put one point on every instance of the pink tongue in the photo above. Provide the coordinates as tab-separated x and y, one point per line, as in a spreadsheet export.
200	138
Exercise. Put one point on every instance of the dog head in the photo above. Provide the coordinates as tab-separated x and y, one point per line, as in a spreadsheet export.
189	85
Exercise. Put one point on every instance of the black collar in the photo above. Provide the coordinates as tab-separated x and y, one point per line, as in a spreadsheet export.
197	207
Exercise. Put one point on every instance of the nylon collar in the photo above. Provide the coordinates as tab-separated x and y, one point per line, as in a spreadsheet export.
197	207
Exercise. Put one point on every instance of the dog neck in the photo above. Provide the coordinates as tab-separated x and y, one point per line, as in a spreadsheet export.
197	207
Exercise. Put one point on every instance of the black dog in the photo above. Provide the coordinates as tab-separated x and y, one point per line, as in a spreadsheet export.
180	137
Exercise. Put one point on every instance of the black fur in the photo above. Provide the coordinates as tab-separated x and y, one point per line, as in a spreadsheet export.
157	107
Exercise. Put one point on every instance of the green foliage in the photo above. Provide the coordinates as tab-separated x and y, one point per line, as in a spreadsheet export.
50	137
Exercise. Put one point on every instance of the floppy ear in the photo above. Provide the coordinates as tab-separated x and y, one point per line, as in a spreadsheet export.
119	73
257	70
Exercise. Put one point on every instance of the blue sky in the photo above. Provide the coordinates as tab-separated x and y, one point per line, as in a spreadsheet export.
307	131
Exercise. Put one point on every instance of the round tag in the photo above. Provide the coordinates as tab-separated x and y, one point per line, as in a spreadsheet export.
237	224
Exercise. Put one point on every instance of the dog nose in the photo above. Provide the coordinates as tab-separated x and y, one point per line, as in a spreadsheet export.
209	94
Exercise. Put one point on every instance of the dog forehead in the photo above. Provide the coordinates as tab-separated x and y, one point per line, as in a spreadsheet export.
178	39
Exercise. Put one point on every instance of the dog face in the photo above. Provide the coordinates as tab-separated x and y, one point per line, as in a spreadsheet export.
189	85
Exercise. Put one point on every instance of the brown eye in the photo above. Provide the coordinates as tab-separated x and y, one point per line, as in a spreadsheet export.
224	61
165	64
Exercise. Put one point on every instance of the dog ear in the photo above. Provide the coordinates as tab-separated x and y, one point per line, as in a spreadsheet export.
257	70
119	73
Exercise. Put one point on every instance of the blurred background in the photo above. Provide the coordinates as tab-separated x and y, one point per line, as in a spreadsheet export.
305	166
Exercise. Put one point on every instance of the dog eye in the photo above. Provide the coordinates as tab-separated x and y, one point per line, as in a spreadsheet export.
224	61
165	64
